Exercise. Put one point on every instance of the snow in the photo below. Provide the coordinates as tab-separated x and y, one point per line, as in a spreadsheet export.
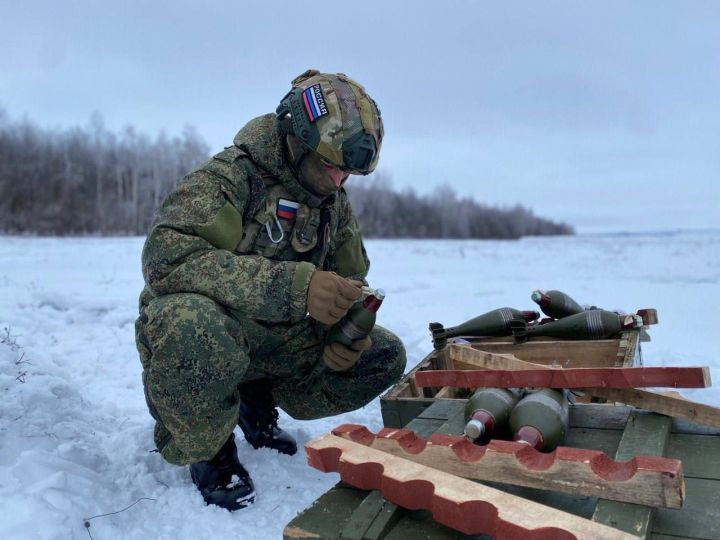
75	436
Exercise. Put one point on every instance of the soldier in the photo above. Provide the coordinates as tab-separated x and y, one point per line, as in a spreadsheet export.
251	259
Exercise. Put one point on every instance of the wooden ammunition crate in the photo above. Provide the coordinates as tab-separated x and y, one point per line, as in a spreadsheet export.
345	512
621	432
404	402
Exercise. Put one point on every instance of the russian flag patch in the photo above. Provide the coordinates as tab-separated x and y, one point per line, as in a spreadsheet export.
287	209
314	102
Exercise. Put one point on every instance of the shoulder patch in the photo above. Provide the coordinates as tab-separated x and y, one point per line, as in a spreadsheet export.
225	231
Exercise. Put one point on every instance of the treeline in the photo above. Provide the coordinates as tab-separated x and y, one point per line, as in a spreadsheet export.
386	213
89	180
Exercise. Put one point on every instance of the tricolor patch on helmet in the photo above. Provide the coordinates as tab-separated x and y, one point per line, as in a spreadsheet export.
287	209
314	102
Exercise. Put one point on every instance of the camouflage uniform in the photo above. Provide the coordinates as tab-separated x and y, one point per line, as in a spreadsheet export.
225	298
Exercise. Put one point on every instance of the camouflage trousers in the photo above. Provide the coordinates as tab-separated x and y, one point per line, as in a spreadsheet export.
197	357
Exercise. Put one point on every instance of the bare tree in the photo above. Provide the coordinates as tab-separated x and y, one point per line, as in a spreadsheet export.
92	181
385	213
87	180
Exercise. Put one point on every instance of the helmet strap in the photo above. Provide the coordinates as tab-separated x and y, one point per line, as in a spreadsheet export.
297	152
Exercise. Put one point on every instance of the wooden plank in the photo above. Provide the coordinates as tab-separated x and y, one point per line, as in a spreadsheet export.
648	315
579	505
645	433
442	409
362	517
406	389
602	440
700	454
410	410
390	414
429	421
628	349
339	502
386	519
446	392
677	377
456	421
420	524
403	410
403	388
622	352
426	426
567	354
412	390
599	416
465	357
653	481
464	505
681	425
443	360
435	416
700	516
609	416
669	405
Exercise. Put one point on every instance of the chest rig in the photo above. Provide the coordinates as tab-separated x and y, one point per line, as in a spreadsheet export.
280	227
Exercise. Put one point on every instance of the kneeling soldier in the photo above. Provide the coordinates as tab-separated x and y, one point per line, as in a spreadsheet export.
251	258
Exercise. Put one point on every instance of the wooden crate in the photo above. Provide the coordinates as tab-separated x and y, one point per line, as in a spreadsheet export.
404	402
621	432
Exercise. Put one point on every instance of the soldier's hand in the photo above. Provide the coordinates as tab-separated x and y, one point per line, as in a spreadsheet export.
339	358
330	296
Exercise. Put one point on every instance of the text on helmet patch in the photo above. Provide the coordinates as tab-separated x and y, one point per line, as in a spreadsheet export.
314	102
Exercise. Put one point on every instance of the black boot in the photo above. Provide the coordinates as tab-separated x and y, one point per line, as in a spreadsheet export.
223	481
258	419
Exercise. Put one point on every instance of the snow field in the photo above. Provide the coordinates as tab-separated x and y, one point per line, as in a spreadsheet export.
75	436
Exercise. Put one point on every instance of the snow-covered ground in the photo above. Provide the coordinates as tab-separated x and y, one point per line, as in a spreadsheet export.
75	434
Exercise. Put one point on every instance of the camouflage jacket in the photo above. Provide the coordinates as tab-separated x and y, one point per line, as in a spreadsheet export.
240	229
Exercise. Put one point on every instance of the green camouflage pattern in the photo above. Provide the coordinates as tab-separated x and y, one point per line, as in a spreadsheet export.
195	355
213	316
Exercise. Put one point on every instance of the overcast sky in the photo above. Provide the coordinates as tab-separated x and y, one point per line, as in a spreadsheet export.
605	115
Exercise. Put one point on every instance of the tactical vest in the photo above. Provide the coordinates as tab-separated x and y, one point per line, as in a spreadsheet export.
278	227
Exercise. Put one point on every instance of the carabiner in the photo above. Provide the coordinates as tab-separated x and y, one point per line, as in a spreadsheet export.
268	228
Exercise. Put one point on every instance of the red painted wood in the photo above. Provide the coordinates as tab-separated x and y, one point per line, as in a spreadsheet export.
461	504
675	377
598	462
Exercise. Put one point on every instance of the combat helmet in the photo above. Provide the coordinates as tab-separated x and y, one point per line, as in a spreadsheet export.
332	115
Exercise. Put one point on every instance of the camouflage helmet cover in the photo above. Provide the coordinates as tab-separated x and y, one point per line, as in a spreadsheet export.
333	116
